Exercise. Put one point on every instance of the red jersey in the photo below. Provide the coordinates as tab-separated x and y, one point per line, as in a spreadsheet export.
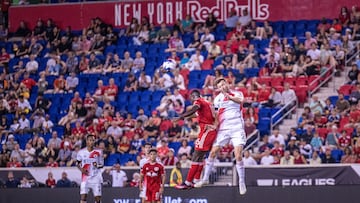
99	91
277	152
79	132
263	95
29	83
205	111
50	183
88	102
111	90
344	141
153	172
53	164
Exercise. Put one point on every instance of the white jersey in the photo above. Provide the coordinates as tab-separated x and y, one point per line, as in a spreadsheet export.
229	112
91	160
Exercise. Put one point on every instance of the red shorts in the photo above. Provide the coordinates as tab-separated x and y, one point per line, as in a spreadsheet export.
206	138
153	194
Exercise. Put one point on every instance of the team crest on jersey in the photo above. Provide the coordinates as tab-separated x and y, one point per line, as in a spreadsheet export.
156	168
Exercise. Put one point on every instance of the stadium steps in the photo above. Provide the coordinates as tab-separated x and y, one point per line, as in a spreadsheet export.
330	89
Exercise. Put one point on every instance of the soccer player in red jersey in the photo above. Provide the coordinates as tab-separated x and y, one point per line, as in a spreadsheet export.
205	139
154	173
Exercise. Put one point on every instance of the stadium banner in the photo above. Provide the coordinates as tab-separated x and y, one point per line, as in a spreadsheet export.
120	13
303	176
256	176
202	195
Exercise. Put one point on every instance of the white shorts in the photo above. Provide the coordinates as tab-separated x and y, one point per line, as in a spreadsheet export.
236	136
143	192
96	188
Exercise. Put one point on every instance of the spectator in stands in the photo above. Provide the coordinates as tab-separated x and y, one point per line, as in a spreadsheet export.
95	65
115	131
316	142
231	21
344	16
287	159
245	18
267	158
348	156
71	63
17	153
133	28
111	90
214	51
316	105
32	66
71	82
54	140
309	40
342	105
299	158
353	74
328	159
64	154
249	127
64	181
85	45
119	178
24	124
248	159
187	24
227	60
143	36
131	83
195	44
29	154
138	63
252	115
11	181
21	50
195	61
50	181
344	140
22	31
292	145
98	45
170	159
332	138
315	159
251	31
356	32
127	62
288	95
206	39
276	136
164	34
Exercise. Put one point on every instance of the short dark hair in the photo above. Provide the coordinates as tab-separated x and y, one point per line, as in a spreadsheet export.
217	81
196	92
148	143
90	135
152	150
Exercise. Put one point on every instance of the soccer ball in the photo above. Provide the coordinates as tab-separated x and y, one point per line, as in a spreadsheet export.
168	65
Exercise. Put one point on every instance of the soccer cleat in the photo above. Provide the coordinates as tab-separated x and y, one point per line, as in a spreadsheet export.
242	188
201	183
183	186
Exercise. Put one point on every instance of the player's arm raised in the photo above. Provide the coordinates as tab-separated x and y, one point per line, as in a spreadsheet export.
237	98
190	112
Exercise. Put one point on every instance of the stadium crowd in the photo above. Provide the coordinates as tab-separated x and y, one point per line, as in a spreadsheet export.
100	67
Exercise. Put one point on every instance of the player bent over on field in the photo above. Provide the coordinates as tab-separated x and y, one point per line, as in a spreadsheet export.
154	174
205	140
231	128
90	161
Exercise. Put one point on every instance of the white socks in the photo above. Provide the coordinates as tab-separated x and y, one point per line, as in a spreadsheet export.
241	171
209	164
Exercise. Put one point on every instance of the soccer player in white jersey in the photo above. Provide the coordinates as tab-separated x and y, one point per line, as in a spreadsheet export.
231	128
90	161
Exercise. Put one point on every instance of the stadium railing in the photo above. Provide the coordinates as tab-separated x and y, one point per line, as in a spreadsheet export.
282	113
